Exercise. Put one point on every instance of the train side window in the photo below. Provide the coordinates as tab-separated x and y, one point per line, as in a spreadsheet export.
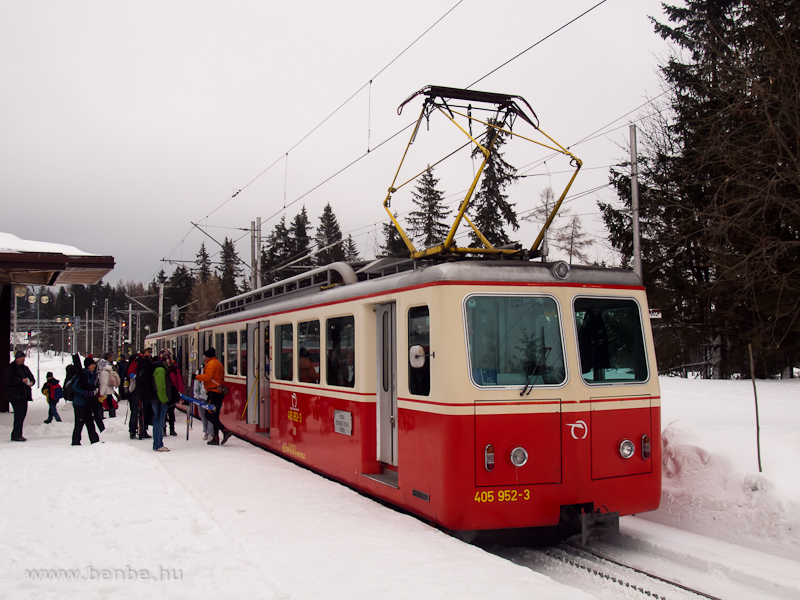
514	340
419	330
610	340
220	347
231	353
243	352
284	352
308	351
340	342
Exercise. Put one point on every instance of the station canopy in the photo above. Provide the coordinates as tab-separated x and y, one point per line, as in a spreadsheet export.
30	262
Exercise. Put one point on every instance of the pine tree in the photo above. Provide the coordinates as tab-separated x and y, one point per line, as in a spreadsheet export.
393	245
276	251
179	289
724	182
328	234
203	263
350	250
205	297
427	222
491	208
300	241
230	269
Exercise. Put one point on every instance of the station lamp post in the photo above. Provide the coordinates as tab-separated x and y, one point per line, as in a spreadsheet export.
38	300
20	291
72	326
63	323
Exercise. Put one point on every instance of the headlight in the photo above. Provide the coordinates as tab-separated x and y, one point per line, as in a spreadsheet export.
519	456
560	270
626	449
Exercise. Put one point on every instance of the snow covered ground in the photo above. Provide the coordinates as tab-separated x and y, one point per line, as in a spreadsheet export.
118	520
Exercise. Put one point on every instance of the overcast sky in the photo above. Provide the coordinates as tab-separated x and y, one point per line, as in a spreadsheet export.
124	122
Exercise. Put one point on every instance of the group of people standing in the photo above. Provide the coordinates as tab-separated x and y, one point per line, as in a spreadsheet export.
153	391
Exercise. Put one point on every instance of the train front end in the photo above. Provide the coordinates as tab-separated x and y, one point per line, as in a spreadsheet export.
549	412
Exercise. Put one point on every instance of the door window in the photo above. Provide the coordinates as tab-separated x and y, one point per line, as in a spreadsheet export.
419	329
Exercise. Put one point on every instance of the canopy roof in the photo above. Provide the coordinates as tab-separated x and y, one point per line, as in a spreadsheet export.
30	262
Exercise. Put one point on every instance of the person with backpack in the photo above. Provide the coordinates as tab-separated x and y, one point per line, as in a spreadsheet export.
70	377
163	388
177	389
52	392
122	370
85	389
140	373
19	381
108	379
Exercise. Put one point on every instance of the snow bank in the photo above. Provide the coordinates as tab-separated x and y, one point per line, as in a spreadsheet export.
711	482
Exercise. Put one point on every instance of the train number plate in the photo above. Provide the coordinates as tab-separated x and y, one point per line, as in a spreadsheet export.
502	496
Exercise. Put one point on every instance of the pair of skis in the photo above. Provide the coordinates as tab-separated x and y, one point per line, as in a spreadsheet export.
200	403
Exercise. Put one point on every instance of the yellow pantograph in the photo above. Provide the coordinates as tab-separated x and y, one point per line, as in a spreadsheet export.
444	100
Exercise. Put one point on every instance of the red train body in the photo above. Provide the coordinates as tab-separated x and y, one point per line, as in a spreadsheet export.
503	351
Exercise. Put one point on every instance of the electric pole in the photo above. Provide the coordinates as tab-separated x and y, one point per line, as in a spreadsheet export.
637	250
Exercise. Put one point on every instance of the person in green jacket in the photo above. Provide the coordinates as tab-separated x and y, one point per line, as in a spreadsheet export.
162	385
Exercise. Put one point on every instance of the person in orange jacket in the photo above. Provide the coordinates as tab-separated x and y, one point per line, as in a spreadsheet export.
212	377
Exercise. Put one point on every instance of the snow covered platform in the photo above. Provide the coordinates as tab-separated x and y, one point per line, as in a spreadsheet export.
238	522
225	522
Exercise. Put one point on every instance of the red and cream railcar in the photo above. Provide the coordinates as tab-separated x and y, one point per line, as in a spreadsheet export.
476	394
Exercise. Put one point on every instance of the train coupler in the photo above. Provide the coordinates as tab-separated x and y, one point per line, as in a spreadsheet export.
597	525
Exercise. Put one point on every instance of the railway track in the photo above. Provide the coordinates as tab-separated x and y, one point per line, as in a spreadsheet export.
643	563
623	575
602	576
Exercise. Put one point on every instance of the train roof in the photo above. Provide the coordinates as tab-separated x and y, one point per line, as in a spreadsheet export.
339	281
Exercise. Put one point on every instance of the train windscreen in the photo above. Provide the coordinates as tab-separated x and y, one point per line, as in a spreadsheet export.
610	340
514	340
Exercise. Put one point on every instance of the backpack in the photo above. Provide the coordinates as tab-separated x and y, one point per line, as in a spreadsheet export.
113	378
144	373
170	388
69	389
54	392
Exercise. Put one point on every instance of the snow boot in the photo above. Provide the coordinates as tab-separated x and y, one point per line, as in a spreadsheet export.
214	441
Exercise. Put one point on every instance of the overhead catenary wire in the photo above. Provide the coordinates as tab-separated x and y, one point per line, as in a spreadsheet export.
307	135
368	84
549	35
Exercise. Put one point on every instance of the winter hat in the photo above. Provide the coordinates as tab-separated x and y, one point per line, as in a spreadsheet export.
49	375
19	354
89	361
210	353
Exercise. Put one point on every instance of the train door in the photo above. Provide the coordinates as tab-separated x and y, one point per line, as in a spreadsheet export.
252	372
191	362
258	374
262	341
387	384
